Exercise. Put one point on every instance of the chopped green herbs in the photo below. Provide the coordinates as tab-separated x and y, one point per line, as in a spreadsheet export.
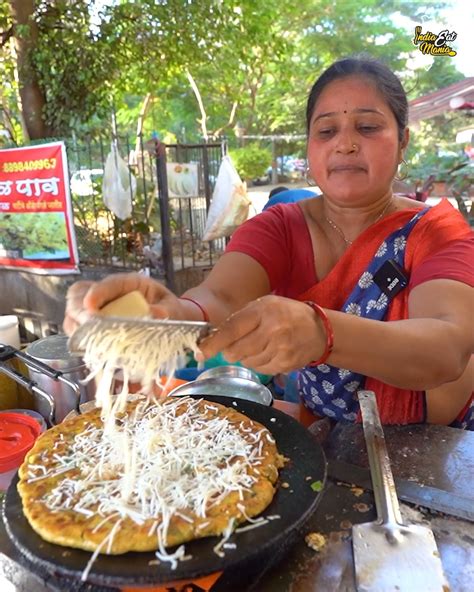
317	485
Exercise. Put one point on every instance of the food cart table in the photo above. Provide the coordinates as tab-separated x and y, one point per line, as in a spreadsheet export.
433	468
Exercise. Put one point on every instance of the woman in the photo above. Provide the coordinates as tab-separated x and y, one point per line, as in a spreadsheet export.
359	288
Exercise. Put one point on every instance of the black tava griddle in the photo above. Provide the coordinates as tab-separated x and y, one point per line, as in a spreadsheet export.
294	505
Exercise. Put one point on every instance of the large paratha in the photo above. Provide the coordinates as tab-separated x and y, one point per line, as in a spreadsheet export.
170	472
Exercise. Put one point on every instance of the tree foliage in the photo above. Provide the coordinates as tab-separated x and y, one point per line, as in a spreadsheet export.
89	53
253	61
251	161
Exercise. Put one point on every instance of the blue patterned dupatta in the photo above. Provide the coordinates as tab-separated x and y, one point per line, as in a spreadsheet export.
330	391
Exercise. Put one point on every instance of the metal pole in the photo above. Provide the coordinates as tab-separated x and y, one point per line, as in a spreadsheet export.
274	163
163	197
205	168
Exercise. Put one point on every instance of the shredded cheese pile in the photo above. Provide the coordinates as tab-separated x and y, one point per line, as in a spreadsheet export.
157	463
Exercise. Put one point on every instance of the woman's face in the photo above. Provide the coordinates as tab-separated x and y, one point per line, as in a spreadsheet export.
353	146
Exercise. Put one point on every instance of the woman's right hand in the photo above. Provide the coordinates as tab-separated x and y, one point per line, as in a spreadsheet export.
86	298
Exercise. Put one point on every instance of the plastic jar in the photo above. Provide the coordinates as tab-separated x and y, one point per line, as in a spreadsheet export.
39	418
18	433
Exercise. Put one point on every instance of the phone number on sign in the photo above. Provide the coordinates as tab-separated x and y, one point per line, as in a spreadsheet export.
29	165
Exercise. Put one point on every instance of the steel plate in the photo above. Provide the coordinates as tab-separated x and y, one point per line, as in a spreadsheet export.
294	504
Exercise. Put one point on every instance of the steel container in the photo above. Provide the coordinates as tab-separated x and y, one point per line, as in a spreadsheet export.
53	351
227	381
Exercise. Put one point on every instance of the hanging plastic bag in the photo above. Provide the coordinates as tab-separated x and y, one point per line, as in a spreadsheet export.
118	185
229	205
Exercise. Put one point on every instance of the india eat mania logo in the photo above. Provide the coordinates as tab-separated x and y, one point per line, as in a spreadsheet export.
435	44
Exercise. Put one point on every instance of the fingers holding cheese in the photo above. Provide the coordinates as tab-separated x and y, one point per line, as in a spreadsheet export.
121	294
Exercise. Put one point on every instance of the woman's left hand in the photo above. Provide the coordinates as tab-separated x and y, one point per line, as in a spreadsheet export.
270	335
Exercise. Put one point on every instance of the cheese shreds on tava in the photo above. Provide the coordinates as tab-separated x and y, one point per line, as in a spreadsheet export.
172	471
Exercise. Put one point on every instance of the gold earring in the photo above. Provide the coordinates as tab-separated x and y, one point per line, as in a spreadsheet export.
308	179
403	176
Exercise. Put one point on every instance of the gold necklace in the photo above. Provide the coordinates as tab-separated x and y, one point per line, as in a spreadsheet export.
346	240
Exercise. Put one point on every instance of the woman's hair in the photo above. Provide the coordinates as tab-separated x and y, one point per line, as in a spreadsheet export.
385	81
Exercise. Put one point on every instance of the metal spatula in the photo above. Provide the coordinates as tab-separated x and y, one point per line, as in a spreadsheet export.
147	329
389	555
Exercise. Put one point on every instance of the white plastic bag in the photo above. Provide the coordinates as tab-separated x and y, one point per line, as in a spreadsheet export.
229	205
118	185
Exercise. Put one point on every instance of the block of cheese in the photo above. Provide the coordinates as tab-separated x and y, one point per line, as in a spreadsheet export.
132	304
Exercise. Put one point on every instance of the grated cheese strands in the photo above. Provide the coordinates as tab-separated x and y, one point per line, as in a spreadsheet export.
165	459
261	522
107	541
143	352
225	537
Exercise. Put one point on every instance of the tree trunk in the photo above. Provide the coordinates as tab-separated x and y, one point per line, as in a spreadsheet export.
148	100
197	94
31	96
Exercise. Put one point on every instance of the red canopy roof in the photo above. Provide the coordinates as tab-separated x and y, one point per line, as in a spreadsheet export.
438	102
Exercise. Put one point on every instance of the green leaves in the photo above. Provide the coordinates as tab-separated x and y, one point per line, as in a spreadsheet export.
260	56
251	161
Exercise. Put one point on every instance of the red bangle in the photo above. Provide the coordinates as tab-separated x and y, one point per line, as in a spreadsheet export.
329	332
205	316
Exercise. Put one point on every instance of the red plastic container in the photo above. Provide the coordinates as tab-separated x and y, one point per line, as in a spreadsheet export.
18	433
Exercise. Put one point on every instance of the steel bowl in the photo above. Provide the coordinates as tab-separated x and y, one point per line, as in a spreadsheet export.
227	381
229	372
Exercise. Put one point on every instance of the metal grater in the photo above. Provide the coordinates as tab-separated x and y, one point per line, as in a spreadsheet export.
150	329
